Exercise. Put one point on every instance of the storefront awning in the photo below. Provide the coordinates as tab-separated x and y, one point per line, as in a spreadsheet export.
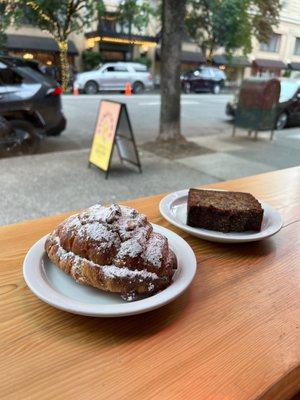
235	61
264	63
295	66
186	56
192	56
36	43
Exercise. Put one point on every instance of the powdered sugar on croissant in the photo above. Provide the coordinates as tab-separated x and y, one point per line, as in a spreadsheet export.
114	249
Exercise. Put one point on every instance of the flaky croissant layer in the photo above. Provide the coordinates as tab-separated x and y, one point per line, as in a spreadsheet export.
114	249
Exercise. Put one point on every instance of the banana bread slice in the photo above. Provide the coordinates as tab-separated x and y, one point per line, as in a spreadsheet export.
223	211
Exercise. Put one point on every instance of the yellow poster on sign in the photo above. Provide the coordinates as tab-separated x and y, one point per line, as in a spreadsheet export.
104	135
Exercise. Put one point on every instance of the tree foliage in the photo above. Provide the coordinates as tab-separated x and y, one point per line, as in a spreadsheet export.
230	23
90	59
143	60
9	11
135	13
62	17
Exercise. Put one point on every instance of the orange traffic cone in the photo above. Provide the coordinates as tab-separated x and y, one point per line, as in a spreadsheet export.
75	91
128	89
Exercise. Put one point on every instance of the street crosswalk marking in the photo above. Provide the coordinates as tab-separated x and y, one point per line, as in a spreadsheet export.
157	103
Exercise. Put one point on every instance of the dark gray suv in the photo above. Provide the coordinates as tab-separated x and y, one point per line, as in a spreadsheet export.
203	79
30	96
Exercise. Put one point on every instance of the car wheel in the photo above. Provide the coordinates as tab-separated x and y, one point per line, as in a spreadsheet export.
281	121
138	88
216	89
187	88
26	139
91	87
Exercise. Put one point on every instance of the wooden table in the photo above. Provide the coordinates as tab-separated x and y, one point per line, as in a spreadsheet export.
234	335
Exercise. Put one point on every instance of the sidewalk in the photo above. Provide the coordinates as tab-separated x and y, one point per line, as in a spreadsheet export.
243	156
46	184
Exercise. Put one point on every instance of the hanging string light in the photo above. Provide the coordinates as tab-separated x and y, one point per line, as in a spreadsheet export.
63	55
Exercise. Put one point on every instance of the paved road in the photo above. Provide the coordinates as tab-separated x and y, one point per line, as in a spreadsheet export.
202	114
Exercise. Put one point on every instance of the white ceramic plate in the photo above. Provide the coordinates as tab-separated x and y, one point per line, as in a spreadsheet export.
59	290
173	208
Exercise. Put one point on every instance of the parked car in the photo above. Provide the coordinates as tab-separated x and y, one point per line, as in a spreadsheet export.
30	96
114	76
288	113
203	79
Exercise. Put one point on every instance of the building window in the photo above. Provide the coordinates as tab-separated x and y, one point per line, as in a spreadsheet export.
272	45
297	46
107	25
111	25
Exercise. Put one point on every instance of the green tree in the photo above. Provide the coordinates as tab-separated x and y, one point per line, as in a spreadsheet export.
135	13
90	59
230	23
60	18
9	11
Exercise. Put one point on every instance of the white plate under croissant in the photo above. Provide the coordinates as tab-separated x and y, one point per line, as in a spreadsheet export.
61	290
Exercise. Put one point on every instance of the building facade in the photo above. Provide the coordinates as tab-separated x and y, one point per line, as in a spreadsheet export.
116	41
29	43
113	40
279	56
122	42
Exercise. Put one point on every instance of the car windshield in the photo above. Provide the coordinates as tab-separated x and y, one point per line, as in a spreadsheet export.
287	91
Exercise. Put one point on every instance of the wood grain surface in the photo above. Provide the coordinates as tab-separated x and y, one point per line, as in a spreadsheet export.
234	335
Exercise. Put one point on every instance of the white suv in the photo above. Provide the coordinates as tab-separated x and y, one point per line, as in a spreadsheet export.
114	76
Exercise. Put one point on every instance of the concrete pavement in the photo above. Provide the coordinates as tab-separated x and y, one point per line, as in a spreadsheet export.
47	184
243	156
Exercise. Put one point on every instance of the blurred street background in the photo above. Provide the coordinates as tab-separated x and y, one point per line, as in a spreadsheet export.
58	178
210	60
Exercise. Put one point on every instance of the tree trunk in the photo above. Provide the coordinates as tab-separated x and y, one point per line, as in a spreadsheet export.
64	63
203	49
172	31
210	53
